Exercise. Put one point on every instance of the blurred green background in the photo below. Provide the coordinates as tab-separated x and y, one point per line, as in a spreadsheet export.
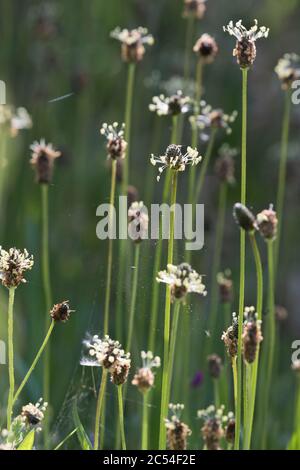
52	48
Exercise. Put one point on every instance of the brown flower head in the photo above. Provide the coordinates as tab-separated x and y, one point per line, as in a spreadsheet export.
230	429
170	105
33	415
194	8
144	378
116	145
245	50
212	430
182	280
104	352
210	119
267	223
215	365
175	159
177	431
252	336
133	43
225	286
61	312
244	217
206	49
288	70
13	264
224	166
42	160
119	373
230	337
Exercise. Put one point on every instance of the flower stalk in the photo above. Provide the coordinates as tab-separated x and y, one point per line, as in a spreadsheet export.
11	371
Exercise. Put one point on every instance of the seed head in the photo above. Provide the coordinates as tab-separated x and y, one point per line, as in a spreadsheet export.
116	145
33	415
194	8
133	43
206	49
144	378
210	119
42	160
173	106
215	366
230	337
13	264
252	336
212	430
119	373
267	223
177	431
61	312
104	352
182	280
175	159
230	429
138	221
245	50
244	217
225	166
225	286
288	70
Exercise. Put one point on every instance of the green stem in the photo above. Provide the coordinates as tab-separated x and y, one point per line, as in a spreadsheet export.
234	375
165	376
216	393
204	164
158	251
282	173
172	345
11	373
133	296
99	408
247	405
37	357
188	48
145	423
110	247
242	260
254	367
121	417
128	120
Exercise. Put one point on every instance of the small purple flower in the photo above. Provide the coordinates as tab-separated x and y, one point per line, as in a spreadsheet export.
197	379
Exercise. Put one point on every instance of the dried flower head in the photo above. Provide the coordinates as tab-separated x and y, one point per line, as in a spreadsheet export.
194	8
119	373
13	264
267	223
133	43
177	431
215	365
175	159
170	105
225	286
212	430
61	312
224	166
104	352
206	49
288	70
183	280
244	217
230	337
42	160
144	378
245	50
33	415
210	119
252	336
230	429
116	145
138	221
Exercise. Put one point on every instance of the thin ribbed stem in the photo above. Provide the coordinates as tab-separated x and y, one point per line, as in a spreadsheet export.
165	377
133	296
234	375
174	332
145	423
242	260
36	359
282	173
188	48
11	370
128	121
254	367
121	417
110	246
99	408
